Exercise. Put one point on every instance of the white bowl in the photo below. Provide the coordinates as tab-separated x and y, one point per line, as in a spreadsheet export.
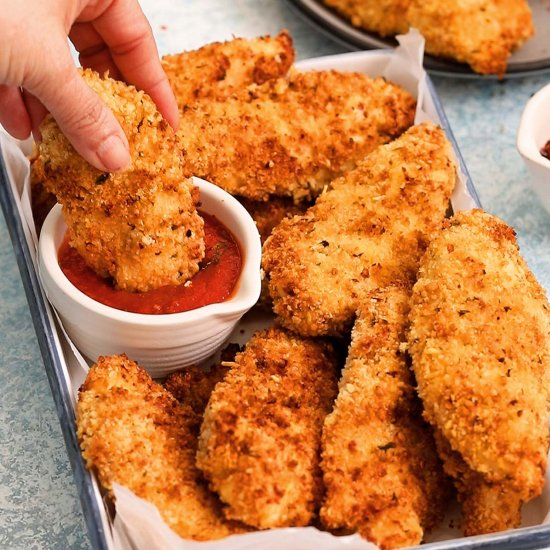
159	343
533	133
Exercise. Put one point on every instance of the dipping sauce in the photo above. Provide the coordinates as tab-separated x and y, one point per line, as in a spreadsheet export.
545	151
213	283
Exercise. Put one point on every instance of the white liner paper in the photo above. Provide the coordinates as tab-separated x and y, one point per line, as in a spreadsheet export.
138	525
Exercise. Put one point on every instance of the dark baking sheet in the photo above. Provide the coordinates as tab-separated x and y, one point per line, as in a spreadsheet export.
532	58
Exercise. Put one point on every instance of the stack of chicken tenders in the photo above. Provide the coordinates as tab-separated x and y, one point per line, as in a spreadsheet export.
408	363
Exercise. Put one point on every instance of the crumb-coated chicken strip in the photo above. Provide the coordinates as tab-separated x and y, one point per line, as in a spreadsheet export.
139	226
482	33
368	230
291	136
268	214
487	506
261	434
135	433
480	344
217	70
194	385
385	17
381	471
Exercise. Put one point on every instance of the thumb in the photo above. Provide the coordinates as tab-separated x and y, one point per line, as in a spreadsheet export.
85	120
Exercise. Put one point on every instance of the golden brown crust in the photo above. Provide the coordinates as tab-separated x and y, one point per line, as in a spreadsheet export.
217	70
193	385
385	17
268	214
487	507
481	33
381	471
261	434
368	230
133	432
291	136
482	374
139	226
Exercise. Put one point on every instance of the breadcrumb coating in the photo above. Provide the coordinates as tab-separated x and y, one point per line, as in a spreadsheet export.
481	33
367	231
381	471
139	226
194	385
133	432
480	344
268	214
261	434
487	506
291	136
385	17
217	70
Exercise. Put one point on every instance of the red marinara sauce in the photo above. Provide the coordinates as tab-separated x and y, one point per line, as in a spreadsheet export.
213	283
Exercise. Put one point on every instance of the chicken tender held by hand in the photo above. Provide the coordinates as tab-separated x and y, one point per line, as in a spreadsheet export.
385	17
381	471
133	432
139	226
217	70
480	344
368	230
261	434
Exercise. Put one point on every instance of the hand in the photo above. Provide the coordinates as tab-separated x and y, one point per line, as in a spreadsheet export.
37	72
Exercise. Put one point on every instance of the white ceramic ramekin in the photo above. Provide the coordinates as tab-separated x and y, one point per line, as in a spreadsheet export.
159	343
533	133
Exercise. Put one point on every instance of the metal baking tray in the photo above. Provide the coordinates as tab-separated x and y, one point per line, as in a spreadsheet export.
54	348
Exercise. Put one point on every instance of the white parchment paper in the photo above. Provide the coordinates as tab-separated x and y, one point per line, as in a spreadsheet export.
138	524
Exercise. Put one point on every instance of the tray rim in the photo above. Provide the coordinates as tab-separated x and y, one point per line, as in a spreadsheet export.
525	538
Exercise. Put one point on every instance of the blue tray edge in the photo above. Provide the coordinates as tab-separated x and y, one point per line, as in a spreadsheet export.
52	363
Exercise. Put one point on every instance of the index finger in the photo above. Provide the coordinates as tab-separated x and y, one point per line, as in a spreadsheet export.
126	31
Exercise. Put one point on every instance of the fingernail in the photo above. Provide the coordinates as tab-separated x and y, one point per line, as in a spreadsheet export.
113	154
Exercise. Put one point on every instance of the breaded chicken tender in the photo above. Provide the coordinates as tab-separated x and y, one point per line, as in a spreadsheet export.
194	385
381	471
261	434
480	344
385	17
139	226
481	33
268	214
367	231
487	506
133	432
291	136
217	70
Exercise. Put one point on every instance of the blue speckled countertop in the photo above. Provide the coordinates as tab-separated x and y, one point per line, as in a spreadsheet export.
39	507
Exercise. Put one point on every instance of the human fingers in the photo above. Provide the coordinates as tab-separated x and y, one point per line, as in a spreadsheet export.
13	112
126	31
81	115
36	111
93	52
